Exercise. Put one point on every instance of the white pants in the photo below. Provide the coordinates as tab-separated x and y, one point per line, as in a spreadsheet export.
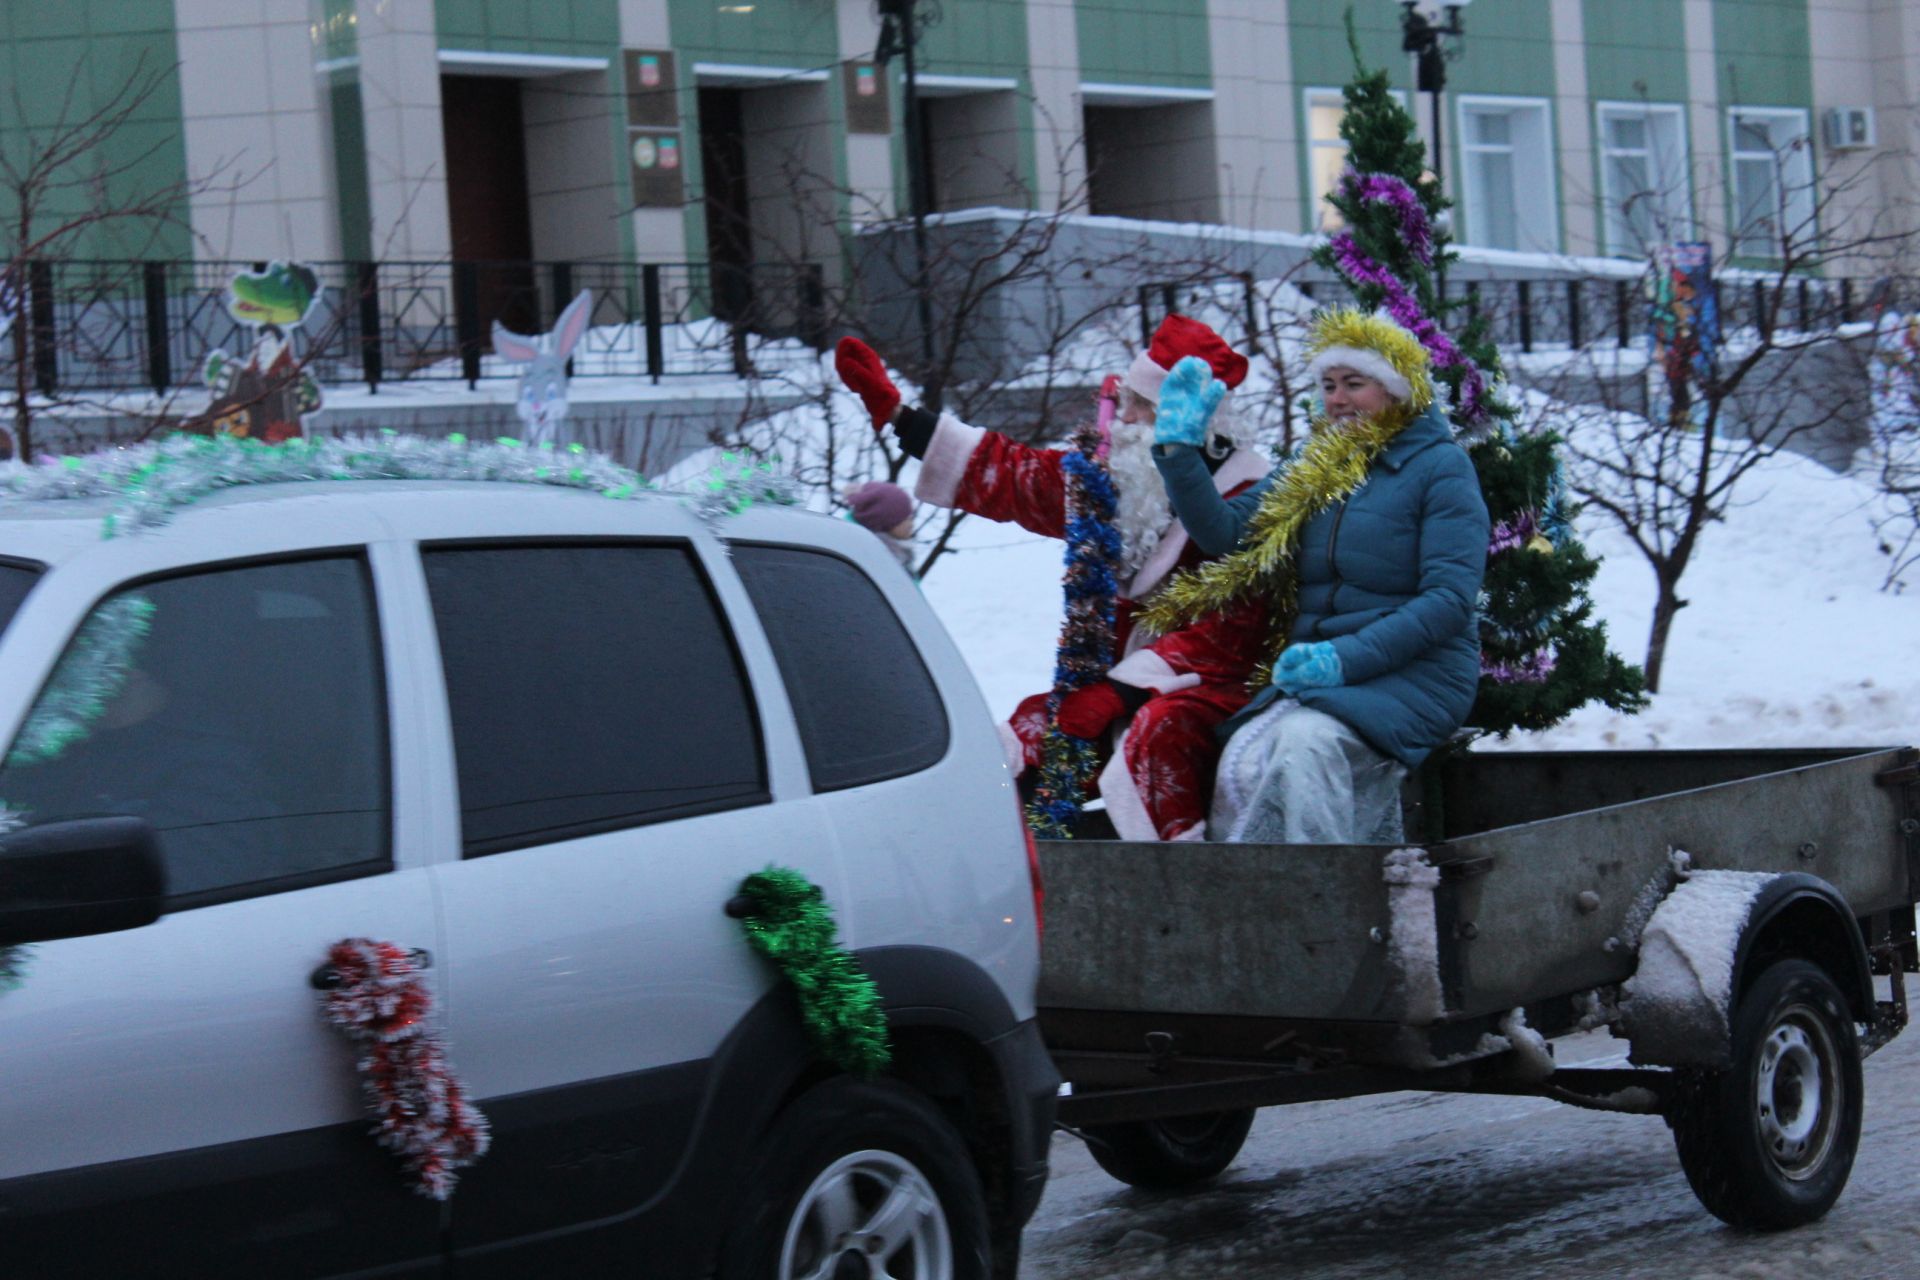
1293	775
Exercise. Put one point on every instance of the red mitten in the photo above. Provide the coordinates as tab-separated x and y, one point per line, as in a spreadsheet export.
1086	713
860	367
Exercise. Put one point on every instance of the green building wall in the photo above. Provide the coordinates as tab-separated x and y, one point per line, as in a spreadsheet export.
62	63
1153	42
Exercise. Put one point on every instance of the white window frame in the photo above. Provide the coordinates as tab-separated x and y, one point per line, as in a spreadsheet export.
1321	217
1681	179
1798	188
1467	104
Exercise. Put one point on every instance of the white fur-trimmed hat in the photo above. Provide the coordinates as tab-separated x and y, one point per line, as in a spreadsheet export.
1360	360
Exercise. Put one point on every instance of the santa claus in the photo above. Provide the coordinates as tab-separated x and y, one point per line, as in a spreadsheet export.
1171	693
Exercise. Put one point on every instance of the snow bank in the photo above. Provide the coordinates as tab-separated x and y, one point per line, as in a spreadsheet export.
1675	1007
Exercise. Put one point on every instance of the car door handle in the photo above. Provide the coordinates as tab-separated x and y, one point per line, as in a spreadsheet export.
327	978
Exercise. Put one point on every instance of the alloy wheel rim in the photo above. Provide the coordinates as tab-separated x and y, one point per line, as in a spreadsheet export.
870	1215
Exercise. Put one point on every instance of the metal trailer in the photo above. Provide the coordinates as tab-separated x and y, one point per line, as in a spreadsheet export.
1185	985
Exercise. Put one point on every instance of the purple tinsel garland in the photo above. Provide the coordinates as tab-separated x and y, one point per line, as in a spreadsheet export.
1405	310
1511	534
1532	669
1384	188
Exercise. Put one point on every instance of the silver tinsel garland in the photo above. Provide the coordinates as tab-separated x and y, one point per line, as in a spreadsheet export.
147	483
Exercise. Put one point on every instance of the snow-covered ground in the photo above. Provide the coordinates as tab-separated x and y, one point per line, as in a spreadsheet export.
1788	639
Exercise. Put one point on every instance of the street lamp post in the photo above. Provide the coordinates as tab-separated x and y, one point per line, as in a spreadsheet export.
1421	35
898	35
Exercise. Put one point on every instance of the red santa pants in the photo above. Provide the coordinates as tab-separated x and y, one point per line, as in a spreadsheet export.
1169	753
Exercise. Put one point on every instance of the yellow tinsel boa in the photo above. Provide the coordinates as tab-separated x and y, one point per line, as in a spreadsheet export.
1329	468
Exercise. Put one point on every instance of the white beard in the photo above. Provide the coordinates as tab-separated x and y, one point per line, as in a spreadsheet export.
1142	514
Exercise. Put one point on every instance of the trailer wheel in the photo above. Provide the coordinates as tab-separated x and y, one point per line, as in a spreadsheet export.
1768	1143
1178	1151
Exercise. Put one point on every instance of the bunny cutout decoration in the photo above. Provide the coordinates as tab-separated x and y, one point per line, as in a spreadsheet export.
541	400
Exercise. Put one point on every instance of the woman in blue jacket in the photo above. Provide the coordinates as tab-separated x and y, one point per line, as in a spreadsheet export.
1369	545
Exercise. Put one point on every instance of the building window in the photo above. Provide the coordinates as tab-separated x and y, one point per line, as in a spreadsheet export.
1507	187
1643	177
1772	180
1327	153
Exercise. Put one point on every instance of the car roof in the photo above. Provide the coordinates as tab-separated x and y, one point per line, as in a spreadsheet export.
54	530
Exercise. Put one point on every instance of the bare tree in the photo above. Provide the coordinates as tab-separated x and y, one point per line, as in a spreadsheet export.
1790	367
71	181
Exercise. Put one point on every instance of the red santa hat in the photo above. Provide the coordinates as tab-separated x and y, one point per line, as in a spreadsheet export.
1180	336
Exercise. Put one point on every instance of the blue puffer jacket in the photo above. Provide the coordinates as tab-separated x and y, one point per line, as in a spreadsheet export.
1391	576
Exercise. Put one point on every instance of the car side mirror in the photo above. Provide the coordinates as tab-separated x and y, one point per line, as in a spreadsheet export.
77	878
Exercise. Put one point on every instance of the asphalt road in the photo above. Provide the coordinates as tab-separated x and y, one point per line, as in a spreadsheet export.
1440	1185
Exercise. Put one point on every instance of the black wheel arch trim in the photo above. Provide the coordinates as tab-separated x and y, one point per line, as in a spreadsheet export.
1842	952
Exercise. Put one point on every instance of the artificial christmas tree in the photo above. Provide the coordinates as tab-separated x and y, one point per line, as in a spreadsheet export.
1542	655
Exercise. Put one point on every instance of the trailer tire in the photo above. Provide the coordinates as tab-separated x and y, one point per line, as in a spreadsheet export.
1178	1151
1767	1144
842	1158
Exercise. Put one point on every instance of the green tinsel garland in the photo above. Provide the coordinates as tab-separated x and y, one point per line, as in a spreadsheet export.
89	677
787	920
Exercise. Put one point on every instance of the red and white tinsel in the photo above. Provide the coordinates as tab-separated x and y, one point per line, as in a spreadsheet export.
420	1109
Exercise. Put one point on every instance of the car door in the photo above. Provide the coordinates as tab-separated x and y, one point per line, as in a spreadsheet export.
174	1102
623	759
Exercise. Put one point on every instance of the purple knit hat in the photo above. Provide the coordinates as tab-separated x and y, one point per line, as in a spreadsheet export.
879	506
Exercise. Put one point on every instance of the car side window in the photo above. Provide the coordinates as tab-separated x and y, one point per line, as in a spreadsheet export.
867	707
241	711
592	686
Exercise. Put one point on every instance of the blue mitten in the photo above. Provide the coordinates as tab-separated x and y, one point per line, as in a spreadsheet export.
1187	400
1308	666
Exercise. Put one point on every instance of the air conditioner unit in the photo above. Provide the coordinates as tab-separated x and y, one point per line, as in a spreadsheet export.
1849	128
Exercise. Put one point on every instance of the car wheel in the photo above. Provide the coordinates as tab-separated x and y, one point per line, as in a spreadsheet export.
1768	1143
860	1181
1178	1151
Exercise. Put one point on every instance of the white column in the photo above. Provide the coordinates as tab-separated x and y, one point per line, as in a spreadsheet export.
406	153
1706	127
1256	122
1894	43
869	155
1573	125
659	235
1053	58
255	131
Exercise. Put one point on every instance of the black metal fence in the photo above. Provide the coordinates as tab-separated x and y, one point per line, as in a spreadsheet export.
99	326
1545	314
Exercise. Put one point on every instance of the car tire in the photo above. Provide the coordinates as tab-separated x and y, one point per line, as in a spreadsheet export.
1768	1143
1178	1151
868	1167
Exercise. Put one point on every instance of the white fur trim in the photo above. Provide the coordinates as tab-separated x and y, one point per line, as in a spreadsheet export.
1148	670
1241	467
1124	804
1010	744
1144	377
1192	835
1360	360
945	465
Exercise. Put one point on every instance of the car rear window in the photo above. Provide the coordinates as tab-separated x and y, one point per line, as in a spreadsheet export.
868	709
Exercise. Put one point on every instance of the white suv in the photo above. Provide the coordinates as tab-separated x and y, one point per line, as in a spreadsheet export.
541	736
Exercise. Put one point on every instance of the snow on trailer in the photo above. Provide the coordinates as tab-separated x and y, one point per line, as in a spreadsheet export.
1725	912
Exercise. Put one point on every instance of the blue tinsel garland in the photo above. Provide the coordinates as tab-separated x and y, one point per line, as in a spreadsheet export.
1085	651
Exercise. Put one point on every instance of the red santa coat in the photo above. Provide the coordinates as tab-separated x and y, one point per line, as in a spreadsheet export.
1159	782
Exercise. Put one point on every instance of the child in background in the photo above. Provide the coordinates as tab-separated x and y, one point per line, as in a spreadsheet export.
887	510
